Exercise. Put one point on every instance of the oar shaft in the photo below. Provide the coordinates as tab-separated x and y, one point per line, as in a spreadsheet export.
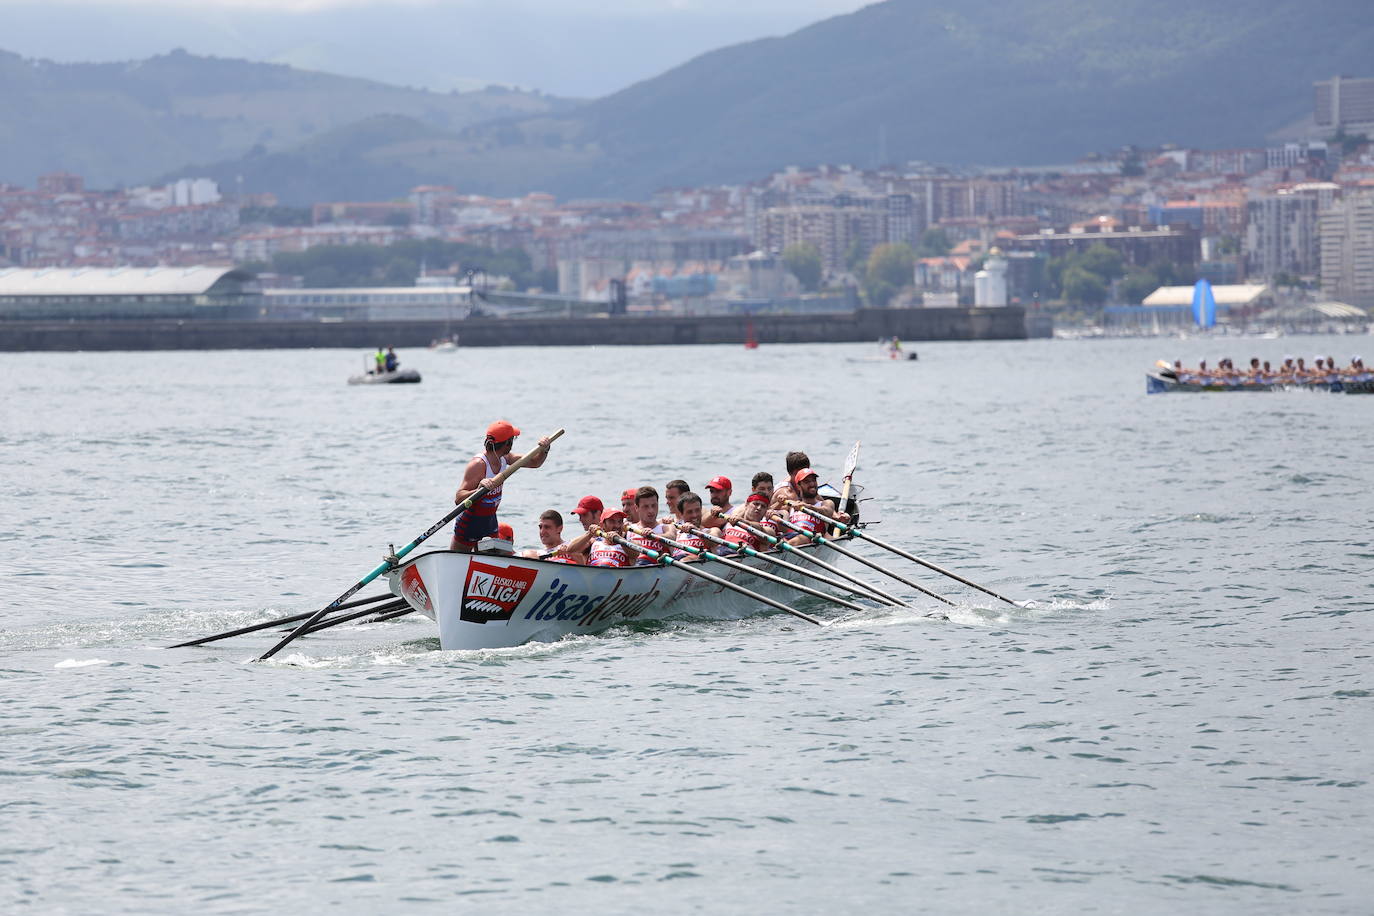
717	580
754	571
873	591
391	562
275	623
801	571
915	559
820	539
356	615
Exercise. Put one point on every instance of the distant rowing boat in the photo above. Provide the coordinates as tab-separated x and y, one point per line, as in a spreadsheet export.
1160	383
487	601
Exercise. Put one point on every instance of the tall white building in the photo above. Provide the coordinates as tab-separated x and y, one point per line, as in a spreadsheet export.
1281	233
1347	250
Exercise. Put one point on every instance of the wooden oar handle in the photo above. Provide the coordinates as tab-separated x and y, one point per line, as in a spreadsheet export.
526	458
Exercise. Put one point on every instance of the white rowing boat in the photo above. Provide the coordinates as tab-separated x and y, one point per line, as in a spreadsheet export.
488	601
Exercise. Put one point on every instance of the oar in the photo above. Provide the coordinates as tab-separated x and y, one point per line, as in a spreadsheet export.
753	571
751	552
819	539
276	623
356	615
717	580
913	558
391	561
876	593
850	464
1166	369
392	615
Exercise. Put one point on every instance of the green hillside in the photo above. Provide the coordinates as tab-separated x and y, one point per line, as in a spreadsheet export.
954	81
127	123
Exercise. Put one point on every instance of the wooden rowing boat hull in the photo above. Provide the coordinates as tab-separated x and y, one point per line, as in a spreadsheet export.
486	601
1160	384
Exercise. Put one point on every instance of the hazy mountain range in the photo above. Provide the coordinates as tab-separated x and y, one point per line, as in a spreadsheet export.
975	81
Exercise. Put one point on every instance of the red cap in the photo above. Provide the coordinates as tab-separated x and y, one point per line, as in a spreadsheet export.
505	532
802	474
719	483
629	493
502	430
757	498
588	504
612	513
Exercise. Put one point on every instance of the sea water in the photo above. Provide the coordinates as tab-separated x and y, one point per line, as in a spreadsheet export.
1179	721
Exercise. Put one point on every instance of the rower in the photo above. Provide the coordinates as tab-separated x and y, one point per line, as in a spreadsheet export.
795	462
753	511
478	520
718	490
552	546
645	519
689	506
607	552
762	484
807	484
672	492
627	501
588	512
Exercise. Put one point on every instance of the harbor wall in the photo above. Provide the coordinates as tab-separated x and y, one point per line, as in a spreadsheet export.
860	325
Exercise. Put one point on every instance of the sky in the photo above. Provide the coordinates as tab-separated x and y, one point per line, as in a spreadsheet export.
570	48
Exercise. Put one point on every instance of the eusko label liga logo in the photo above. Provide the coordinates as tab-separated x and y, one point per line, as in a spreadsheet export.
491	592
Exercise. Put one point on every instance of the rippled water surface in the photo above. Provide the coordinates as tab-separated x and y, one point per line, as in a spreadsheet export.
1179	722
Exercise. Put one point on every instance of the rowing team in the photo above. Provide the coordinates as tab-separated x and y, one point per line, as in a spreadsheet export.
635	533
1291	371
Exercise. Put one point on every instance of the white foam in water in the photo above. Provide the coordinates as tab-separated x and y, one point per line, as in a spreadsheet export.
81	663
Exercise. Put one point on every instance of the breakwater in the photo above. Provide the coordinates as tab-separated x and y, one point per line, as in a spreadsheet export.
860	325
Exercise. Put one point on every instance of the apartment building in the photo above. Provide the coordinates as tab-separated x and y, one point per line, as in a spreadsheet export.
1347	249
1283	233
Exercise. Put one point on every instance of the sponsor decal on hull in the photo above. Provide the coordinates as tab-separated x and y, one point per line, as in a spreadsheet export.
557	603
413	590
491	592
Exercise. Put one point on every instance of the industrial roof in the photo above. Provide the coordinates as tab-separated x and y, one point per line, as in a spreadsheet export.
1231	294
1316	311
115	281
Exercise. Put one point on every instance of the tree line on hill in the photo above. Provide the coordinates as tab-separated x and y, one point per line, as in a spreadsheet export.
1083	278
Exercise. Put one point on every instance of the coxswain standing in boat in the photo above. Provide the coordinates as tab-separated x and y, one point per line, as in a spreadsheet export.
807	485
479	520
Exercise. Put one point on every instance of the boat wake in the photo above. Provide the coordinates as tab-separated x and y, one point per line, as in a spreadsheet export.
975	615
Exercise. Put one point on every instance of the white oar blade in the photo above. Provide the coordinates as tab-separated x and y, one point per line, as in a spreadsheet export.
852	461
